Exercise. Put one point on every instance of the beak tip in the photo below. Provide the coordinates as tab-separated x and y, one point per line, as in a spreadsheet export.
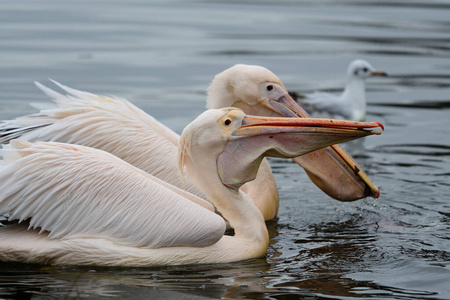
381	125
369	192
380	74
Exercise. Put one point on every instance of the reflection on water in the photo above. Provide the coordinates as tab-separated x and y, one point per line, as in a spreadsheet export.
161	55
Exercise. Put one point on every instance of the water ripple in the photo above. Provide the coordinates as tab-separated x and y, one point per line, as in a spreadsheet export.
435	150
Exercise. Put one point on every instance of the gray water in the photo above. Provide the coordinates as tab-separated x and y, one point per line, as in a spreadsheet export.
161	55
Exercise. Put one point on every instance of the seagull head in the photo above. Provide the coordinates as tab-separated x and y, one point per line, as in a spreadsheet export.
362	69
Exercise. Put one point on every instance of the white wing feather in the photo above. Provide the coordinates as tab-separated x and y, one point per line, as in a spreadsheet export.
107	123
74	191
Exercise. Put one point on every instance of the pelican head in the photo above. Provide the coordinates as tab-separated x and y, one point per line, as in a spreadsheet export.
362	69
258	91
231	144
254	89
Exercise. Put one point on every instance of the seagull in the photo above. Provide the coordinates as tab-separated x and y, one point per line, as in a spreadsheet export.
351	104
77	205
117	126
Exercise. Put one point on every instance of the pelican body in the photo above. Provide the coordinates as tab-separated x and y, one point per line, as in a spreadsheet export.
77	205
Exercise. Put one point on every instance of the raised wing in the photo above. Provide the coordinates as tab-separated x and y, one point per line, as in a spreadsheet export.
76	191
107	123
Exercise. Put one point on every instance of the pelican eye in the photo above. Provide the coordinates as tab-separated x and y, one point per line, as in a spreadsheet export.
365	70
269	87
227	122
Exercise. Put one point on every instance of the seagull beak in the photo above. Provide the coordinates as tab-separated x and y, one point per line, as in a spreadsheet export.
282	137
379	73
332	169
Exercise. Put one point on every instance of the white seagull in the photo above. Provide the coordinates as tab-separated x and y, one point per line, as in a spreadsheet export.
84	206
351	104
118	127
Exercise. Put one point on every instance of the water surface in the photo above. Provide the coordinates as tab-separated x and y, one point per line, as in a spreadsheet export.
161	55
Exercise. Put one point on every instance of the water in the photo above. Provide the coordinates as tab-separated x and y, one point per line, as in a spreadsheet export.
161	55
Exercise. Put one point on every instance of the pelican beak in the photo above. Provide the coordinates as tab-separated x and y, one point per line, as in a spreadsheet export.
332	169
379	73
282	137
337	131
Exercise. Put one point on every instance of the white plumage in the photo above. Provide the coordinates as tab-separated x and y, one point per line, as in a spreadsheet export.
351	103
93	208
118	127
109	123
78	192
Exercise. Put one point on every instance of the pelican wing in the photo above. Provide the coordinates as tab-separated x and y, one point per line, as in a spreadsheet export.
107	123
73	191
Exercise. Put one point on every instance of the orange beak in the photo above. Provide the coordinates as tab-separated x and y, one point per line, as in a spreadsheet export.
332	169
258	137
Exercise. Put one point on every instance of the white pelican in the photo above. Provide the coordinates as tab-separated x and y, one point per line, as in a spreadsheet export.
351	104
119	127
85	206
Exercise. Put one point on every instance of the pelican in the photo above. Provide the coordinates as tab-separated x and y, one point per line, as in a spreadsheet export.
85	206
351	104
117	126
